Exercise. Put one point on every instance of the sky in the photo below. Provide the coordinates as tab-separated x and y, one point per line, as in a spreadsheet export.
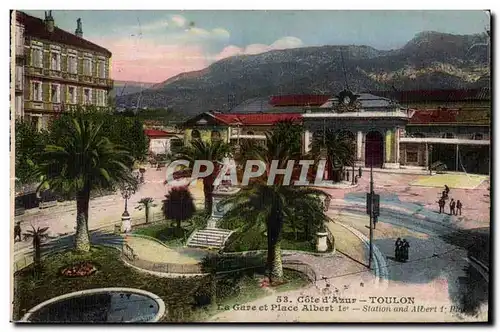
152	46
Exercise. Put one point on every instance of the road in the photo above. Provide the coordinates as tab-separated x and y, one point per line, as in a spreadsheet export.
436	252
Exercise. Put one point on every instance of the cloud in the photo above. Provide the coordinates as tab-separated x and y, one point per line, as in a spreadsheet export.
158	25
221	33
148	61
280	44
178	20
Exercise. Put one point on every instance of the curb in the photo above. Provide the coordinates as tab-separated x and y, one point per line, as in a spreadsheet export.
478	262
380	266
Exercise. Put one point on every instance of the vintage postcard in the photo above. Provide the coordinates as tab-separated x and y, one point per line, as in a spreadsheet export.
250	166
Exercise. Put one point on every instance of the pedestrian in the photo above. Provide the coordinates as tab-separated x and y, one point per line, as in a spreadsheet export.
405	246
441	203
459	207
17	231
397	249
452	207
446	189
444	196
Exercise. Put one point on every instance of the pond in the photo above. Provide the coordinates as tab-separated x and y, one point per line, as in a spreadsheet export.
104	305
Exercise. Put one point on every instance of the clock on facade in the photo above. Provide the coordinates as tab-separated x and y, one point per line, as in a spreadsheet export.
347	100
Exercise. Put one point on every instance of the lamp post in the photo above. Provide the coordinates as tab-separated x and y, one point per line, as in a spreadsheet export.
126	191
373	207
430	159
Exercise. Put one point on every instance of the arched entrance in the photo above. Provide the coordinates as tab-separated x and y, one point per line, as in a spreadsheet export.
374	149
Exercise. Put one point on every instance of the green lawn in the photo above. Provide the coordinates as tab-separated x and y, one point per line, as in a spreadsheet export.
167	231
186	299
252	240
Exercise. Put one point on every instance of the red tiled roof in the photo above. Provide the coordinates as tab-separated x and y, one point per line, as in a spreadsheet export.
157	133
298	100
436	95
434	116
257	119
35	27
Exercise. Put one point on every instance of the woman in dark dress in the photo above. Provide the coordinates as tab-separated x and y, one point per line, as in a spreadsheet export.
405	246
397	249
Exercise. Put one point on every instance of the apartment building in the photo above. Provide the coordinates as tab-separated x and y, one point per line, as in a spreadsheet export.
56	69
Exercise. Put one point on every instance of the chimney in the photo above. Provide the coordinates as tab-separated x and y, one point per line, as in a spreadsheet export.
49	21
79	31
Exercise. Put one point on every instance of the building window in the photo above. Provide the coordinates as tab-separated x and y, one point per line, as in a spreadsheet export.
55	93
101	68
19	106
417	135
87	66
101	98
19	77
477	136
411	157
34	121
87	96
36	91
72	64
71	95
55	60
448	135
249	132
37	56
195	134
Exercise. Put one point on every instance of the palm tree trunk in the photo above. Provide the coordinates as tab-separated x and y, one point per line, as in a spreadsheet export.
37	259
147	212
82	237
208	189
275	262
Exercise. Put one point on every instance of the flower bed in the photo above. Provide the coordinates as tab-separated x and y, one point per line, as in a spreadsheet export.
82	269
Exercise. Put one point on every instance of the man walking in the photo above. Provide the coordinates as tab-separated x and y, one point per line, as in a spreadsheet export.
441	203
452	207
459	207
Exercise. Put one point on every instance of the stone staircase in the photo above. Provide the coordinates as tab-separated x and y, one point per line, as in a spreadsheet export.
209	238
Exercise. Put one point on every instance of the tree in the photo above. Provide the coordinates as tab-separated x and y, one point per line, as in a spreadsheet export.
340	149
178	205
146	203
268	208
29	144
264	208
83	159
37	235
211	151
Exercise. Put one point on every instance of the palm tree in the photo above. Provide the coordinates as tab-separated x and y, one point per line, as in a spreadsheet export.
147	204
211	151
267	208
84	159
37	234
264	208
340	149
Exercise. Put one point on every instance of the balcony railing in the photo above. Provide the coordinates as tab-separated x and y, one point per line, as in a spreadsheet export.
86	79
52	107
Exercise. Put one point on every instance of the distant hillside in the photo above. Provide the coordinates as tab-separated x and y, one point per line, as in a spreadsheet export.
431	60
122	88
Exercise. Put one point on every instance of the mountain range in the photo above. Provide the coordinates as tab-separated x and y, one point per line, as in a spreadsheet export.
431	60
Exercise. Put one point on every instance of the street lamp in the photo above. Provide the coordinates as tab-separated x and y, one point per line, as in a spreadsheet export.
127	190
373	209
430	159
